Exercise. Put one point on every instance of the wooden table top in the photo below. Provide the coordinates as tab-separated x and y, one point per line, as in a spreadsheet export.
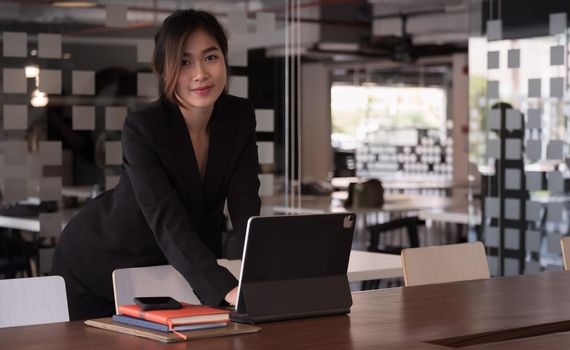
333	204
455	215
362	266
407	318
32	224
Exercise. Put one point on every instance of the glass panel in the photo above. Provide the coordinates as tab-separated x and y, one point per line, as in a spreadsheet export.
519	132
70	75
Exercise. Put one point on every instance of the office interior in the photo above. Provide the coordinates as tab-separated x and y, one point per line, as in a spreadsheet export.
458	107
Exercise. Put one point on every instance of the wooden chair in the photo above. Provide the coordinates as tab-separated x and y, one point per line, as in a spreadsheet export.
409	223
16	254
35	300
565	244
447	263
163	280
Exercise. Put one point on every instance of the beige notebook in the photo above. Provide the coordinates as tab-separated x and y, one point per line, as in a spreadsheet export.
231	329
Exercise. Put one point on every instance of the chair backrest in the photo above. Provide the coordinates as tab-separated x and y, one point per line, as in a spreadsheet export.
152	281
34	300
565	244
410	223
447	263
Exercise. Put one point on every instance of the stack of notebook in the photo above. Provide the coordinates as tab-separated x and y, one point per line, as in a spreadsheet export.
188	318
188	323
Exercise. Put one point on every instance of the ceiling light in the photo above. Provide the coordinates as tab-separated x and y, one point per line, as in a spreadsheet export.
32	71
39	99
82	4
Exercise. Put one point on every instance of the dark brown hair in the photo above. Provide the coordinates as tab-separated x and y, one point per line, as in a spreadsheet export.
169	45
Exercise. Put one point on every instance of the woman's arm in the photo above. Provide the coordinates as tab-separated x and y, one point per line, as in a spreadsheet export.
243	189
167	217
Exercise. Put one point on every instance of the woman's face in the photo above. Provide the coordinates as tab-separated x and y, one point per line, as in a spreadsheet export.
202	75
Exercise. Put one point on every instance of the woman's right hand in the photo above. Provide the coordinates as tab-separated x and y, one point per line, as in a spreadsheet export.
231	296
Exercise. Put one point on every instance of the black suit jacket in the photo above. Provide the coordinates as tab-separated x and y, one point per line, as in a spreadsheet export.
161	212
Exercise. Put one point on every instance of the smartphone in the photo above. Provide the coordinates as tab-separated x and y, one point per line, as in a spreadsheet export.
157	303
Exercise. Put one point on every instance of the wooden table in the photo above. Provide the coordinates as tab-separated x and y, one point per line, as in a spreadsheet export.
333	204
310	205
397	318
397	205
343	182
472	215
460	216
165	280
79	192
32	224
362	266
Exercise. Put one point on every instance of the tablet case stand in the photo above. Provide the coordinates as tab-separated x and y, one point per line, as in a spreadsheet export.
295	267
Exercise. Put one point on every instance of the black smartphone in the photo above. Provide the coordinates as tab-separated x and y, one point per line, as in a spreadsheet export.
157	303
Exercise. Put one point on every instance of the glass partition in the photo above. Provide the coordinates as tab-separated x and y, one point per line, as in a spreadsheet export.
518	70
71	74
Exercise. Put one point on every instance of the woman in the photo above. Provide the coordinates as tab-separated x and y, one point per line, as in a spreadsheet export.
183	156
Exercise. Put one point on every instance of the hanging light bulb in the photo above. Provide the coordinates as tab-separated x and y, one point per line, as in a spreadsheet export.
39	99
32	71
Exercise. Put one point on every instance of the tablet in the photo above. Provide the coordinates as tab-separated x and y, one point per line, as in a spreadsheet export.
295	266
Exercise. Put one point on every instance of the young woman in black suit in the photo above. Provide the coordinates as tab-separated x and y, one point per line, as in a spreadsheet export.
183	156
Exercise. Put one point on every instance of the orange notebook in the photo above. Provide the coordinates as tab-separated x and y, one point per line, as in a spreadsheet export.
188	314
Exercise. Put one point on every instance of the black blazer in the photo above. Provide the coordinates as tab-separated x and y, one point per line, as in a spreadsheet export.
161	212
